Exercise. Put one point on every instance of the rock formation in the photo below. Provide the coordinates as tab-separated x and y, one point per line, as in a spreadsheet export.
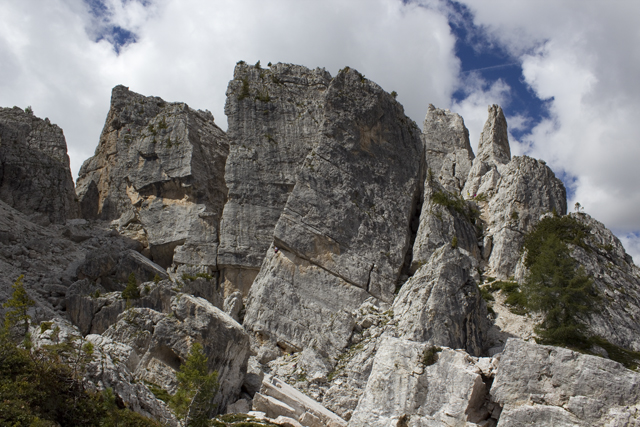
158	163
338	266
274	118
34	167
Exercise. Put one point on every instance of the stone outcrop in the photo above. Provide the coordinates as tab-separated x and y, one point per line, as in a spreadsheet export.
408	388
441	304
274	118
446	219
345	228
526	190
617	281
158	163
512	195
162	342
448	152
551	386
34	167
110	365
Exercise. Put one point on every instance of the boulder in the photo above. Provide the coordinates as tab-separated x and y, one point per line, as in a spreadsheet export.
194	319
441	304
407	388
550	386
34	167
278	399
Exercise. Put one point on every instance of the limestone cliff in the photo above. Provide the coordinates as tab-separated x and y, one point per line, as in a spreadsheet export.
34	167
158	163
323	241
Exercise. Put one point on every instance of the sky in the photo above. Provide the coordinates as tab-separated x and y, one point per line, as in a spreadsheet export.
565	73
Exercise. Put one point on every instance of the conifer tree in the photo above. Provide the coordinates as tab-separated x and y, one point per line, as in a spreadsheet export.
192	402
18	304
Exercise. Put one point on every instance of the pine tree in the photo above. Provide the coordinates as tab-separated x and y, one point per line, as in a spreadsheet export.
131	291
192	402
18	304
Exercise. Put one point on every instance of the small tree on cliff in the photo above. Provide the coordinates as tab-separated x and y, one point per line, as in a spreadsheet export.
192	402
16	318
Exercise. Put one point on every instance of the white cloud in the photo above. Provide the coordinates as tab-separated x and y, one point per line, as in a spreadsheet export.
185	50
583	57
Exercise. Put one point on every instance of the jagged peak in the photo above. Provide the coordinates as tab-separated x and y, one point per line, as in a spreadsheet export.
494	140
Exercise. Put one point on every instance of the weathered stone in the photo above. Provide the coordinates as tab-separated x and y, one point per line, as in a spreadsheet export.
526	190
441	304
404	390
565	386
448	152
277	398
111	366
159	163
34	167
224	342
294	304
617	281
350	210
274	118
441	225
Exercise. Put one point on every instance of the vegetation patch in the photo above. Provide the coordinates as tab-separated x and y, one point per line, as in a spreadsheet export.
455	203
556	286
430	355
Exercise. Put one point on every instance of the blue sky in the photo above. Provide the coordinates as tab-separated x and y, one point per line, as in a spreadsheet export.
564	72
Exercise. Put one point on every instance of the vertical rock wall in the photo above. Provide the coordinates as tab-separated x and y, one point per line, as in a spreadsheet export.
274	118
34	167
159	169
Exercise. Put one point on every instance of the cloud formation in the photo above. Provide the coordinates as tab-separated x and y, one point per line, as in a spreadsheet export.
58	55
62	57
582	57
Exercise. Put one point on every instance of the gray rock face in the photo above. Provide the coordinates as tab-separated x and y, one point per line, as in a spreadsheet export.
274	118
294	304
441	225
351	207
617	280
34	167
404	391
345	228
525	190
441	304
162	342
158	163
550	386
448	152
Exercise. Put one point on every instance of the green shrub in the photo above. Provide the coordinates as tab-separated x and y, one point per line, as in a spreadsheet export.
131	291
455	203
157	279
197	388
244	91
454	242
394	94
430	355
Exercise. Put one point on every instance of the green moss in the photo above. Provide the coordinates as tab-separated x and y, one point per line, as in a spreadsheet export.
430	355
455	203
244	90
